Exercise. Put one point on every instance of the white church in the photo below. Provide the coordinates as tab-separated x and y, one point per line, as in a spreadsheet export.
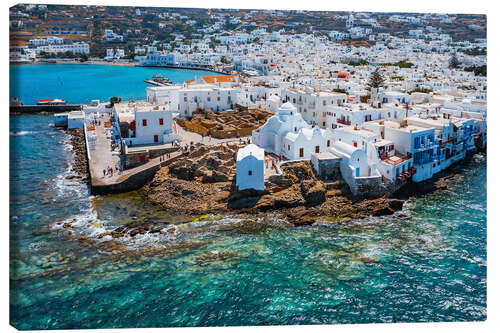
287	134
250	168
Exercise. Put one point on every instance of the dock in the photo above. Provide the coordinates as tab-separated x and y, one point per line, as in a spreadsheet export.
32	109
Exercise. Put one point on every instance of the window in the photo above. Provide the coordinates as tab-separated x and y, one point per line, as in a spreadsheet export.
185	99
328	143
249	172
218	98
144	122
161	121
288	147
301	152
208	99
317	149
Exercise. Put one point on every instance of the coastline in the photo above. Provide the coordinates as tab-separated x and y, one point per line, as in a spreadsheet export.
76	63
126	64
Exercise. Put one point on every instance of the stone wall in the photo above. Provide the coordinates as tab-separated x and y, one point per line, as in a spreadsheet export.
135	181
327	169
361	186
133	160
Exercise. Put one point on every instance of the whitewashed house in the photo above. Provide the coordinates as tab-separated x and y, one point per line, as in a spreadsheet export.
358	172
417	141
250	168
188	98
151	126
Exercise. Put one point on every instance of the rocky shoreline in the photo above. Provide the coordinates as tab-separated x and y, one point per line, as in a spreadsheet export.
200	187
80	164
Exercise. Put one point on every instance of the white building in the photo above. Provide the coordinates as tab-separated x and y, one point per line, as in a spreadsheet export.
250	168
150	126
115	53
188	98
287	134
75	48
417	141
313	106
357	171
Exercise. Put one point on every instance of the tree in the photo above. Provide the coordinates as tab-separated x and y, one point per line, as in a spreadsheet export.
454	63
113	100
376	80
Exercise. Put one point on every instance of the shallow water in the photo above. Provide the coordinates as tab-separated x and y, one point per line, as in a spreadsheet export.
429	267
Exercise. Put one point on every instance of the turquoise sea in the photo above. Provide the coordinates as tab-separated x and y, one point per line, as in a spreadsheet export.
77	83
430	266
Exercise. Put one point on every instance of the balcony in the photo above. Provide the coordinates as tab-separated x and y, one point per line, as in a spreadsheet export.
396	159
425	146
343	122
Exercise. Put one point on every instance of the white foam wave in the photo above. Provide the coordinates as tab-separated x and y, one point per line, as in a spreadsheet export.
21	133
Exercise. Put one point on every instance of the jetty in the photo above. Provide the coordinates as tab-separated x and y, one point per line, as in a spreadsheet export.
103	152
28	109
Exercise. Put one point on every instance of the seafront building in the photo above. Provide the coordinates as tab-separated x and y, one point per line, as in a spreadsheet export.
250	168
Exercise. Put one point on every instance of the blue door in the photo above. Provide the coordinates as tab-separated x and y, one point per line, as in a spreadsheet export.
357	172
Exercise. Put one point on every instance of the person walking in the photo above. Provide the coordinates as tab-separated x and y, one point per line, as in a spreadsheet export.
103	173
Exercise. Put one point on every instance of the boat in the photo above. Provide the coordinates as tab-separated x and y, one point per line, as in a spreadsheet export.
55	101
161	79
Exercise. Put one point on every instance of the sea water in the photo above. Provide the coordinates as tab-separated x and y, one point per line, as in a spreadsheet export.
79	83
429	266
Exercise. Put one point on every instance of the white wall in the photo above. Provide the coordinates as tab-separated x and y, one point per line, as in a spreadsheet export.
256	179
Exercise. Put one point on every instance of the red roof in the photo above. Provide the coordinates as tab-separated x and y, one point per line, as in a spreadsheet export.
342	75
217	78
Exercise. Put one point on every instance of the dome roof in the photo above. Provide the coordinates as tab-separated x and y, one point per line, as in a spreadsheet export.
342	75
287	106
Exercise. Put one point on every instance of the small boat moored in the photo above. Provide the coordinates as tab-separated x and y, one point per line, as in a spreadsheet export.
55	101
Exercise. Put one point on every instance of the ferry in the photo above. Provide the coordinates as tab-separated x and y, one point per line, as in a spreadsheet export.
56	101
161	79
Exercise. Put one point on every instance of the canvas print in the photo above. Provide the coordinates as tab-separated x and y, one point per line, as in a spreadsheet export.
174	167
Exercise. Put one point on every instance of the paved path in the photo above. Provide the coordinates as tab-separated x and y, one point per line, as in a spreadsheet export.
101	157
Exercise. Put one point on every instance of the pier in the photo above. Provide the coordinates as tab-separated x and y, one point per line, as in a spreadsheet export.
101	156
28	109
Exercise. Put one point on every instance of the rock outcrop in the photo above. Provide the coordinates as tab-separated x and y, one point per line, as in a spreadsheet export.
204	182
